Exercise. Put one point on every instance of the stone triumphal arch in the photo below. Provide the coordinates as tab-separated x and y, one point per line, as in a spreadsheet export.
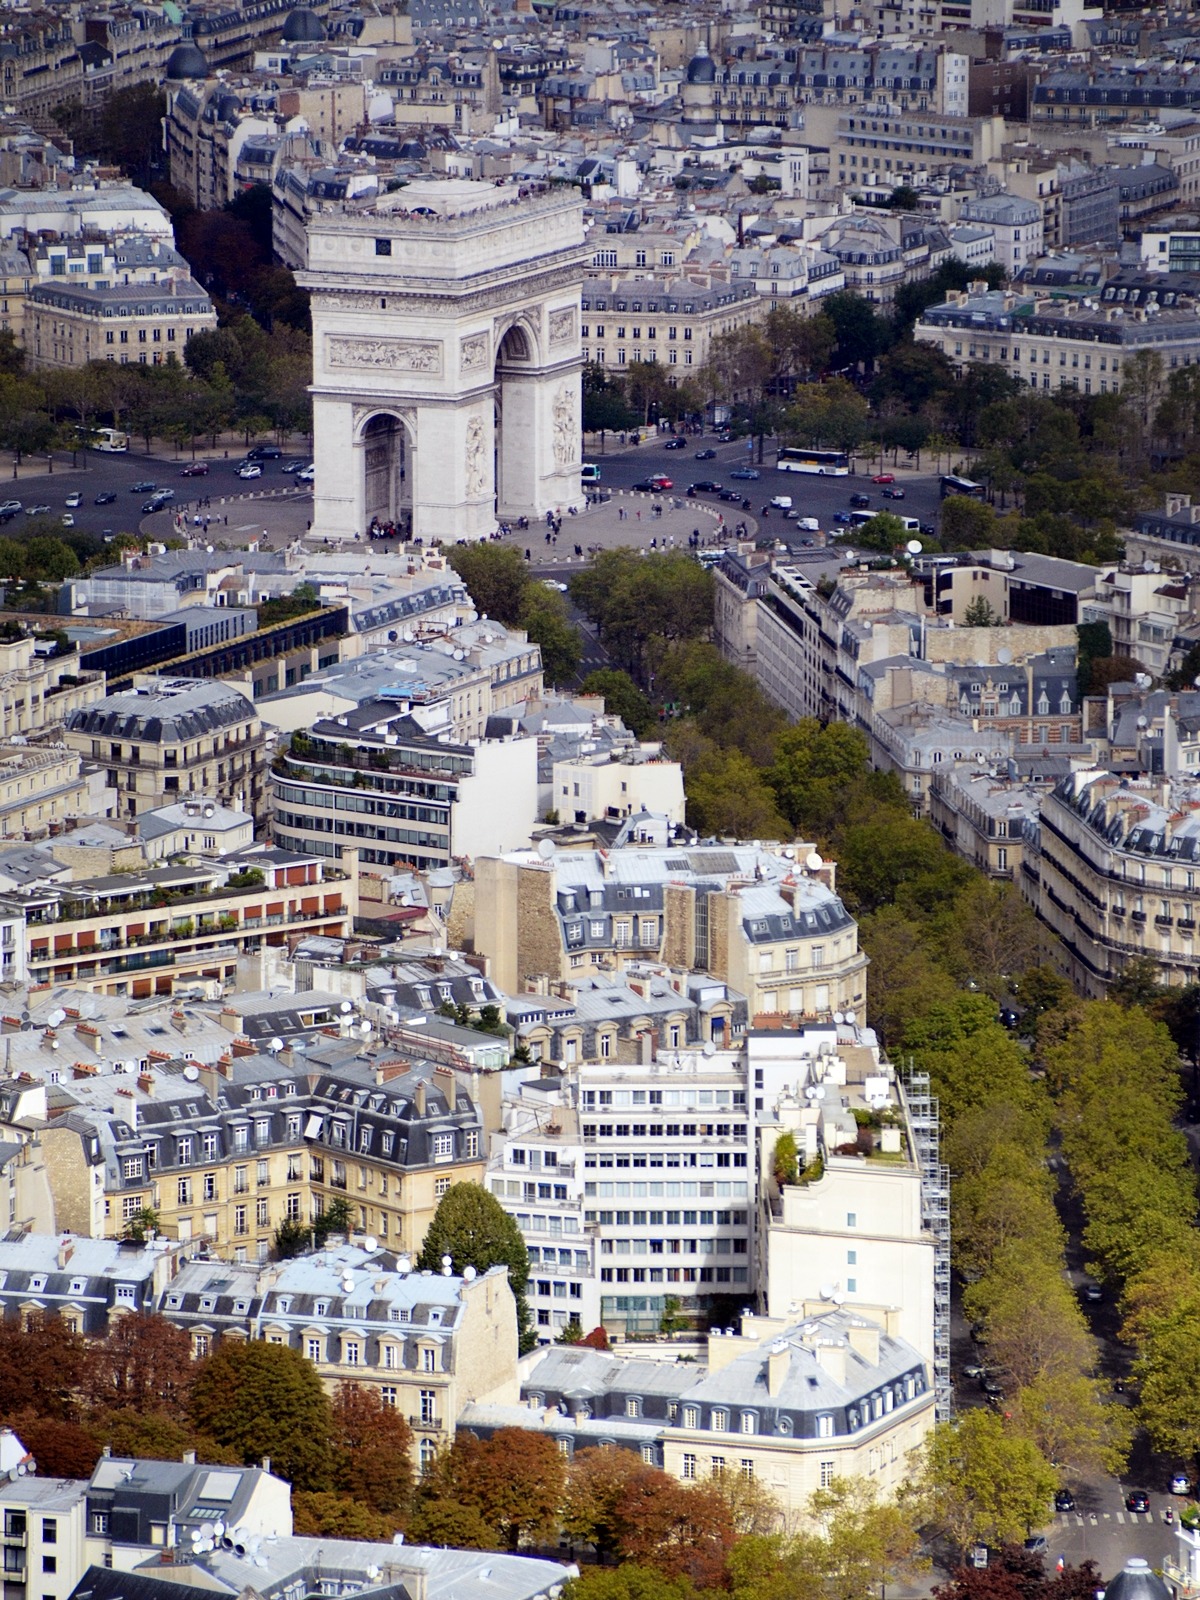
446	359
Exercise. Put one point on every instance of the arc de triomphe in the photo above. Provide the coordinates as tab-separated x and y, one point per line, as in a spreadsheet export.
446	359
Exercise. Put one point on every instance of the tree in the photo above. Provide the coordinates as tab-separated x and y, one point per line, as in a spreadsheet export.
474	1230
884	532
1094	643
156	1435
605	408
622	698
1014	1573
337	1516
337	1217
43	1366
860	333
144	1363
597	1481
967	524
903	198
868	1541
785	1160
726	795
979	614
515	1480
897	858
813	770
685	1530
61	1448
642	604
266	1400
495	577
626	1582
978	1481
372	1451
545	619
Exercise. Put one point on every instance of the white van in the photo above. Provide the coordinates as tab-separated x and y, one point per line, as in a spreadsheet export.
781	502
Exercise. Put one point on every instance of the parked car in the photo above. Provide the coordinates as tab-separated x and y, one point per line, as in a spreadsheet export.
990	1387
1064	1500
706	455
73	499
860	502
264	452
1137	1500
892	493
194	469
745	474
929	529
884	477
973	1370
675	444
1093	1293
249	469
143	486
1180	1483
106	497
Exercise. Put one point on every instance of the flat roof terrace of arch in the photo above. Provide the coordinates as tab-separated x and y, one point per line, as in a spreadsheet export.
459	237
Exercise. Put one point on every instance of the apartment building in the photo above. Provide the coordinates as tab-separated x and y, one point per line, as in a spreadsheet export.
983	815
1056	344
1170	536
765	921
881	145
671	321
376	783
38	691
428	1344
148	324
224	1153
1111	866
173	736
163	929
40	786
89	1283
791	1403
1016	224
54	1529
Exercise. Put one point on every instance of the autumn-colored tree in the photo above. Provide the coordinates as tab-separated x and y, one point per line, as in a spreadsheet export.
266	1400
340	1516
597	1481
62	1449
440	1518
515	1480
1013	1573
143	1364
372	1451
157	1436
685	1530
43	1366
597	1339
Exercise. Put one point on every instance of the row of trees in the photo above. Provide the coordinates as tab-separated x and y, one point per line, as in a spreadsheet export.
499	583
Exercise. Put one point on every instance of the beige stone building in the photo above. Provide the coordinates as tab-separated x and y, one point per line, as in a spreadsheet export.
983	816
174	736
38	692
144	324
39	786
766	922
634	316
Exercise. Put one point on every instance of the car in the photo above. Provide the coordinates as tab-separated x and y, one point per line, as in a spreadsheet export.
291	466
732	495
675	444
68	519
1036	1544
143	486
1064	1500
781	502
152	505
308	473
990	1387
1093	1293
978	1557
249	469
973	1370
1137	1500
264	452
891	493
164	495
884	477
842	518
860	502
106	497
929	529
9	508
37	511
1180	1483
706	455
1009	1018
745	474
705	486
194	469
73	500
661	481
552	583
724	436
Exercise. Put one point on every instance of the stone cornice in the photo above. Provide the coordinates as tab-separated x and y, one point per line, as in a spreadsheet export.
486	292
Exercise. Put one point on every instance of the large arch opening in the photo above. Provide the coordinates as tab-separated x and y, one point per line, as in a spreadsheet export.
514	441
387	474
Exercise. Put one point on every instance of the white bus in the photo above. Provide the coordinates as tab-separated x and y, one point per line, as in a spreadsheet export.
825	463
110	441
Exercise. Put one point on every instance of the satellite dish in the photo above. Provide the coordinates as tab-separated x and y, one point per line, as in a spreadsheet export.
826	1291
914	547
196	1535
710	1048
447	1261
545	849
813	861
218	1528
370	1244
839	1299
191	1073
469	1274
365	1025
56	1016
1004	655
345	1007
276	1045
403	1265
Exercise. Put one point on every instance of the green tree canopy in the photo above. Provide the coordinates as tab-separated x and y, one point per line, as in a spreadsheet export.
266	1400
474	1230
